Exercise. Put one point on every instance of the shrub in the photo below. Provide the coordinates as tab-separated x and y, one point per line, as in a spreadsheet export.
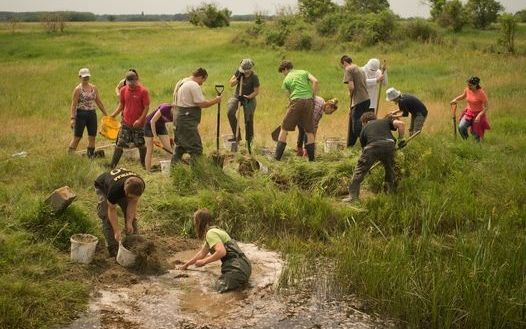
508	28
210	16
420	30
298	40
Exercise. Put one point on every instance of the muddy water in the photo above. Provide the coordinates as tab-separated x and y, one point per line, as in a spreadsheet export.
186	299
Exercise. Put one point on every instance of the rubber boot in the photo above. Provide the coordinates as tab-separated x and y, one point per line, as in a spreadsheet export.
280	148
311	150
177	156
90	151
142	155
117	153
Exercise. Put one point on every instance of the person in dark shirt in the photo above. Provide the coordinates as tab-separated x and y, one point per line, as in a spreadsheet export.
408	104
118	187
378	144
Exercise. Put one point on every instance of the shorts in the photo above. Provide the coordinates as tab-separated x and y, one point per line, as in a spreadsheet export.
299	113
130	137
160	130
85	119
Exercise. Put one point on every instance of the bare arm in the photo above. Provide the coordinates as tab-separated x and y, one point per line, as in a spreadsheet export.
205	104
253	94
140	121
119	86
112	216
233	81
99	102
458	98
350	85
153	121
314	83
219	252
74	104
131	213
199	255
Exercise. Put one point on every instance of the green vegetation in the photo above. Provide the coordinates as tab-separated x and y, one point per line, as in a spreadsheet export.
448	250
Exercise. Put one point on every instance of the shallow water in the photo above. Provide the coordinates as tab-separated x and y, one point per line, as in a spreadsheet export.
186	299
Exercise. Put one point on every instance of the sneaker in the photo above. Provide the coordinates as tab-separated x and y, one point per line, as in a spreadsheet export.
350	199
300	151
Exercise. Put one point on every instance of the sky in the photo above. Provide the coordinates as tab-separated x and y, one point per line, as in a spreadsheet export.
404	8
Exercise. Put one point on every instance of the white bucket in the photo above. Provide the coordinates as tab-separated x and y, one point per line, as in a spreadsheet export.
131	153
226	143
125	257
83	247
334	144
165	167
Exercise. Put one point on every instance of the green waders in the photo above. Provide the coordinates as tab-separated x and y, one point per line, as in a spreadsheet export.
187	139
235	268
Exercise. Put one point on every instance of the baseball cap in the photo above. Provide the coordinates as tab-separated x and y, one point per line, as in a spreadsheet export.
84	72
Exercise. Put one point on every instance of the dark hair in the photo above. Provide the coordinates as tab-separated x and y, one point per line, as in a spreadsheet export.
346	59
200	72
367	116
129	74
134	185
285	65
474	81
203	219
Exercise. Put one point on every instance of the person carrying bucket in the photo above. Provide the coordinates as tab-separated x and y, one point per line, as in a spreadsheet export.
189	100
246	97
235	266
118	187
84	113
320	107
134	105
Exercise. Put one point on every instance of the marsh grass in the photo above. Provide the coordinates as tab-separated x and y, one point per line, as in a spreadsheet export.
446	251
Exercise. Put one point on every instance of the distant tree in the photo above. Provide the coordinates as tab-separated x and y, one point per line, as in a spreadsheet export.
483	12
508	28
366	6
210	16
313	10
11	23
521	16
111	18
453	15
437	8
53	21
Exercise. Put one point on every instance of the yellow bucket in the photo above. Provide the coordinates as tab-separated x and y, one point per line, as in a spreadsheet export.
109	127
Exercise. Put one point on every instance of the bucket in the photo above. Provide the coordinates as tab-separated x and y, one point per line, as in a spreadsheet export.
334	144
228	144
125	257
165	167
83	247
109	127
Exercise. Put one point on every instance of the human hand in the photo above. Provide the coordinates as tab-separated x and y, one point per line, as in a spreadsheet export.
117	236
242	98
238	75
200	263
129	228
137	124
402	143
72	123
183	267
477	118
453	102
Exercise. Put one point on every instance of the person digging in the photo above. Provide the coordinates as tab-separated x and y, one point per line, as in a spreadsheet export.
118	187
378	144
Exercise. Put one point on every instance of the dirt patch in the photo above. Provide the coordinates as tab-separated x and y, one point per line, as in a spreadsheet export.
247	167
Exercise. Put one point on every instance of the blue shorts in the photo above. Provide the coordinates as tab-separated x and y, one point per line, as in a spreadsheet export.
85	119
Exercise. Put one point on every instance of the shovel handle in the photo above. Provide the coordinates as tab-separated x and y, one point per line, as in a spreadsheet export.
454	109
219	89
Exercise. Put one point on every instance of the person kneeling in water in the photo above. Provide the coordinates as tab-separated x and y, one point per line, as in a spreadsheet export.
235	266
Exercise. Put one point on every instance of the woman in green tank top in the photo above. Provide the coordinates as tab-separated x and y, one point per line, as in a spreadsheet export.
235	266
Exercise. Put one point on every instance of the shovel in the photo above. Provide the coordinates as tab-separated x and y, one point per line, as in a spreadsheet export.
235	144
218	159
384	67
410	138
160	145
454	113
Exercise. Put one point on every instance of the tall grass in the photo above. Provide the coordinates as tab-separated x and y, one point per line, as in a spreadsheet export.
447	250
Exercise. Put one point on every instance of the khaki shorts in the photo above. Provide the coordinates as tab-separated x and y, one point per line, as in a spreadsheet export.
299	113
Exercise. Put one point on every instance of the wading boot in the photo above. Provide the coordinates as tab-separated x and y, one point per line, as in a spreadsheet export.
90	151
310	151
117	153
280	148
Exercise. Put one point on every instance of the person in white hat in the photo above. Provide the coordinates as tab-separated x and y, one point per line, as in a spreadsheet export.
83	112
374	76
408	104
247	100
355	79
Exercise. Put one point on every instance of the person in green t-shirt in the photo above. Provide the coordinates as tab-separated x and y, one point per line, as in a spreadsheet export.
235	266
301	87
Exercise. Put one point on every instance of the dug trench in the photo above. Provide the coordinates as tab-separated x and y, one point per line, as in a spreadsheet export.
155	294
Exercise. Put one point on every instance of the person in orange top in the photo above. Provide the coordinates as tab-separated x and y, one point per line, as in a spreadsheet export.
474	116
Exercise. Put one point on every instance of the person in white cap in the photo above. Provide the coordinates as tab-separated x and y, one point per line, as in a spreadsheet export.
374	76
84	112
247	100
408	104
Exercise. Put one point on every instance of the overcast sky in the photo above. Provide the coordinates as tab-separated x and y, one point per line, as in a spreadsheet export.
404	8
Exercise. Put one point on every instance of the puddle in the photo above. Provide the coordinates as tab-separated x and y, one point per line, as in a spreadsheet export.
187	299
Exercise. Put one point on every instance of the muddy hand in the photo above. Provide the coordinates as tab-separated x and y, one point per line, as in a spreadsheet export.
129	228
117	236
200	263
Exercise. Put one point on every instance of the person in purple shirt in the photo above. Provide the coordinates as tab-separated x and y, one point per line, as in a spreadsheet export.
155	127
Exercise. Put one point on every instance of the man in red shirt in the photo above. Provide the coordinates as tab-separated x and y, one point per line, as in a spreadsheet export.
134	103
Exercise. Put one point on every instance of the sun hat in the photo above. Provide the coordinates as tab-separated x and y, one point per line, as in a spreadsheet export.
392	94
373	64
472	80
84	72
245	65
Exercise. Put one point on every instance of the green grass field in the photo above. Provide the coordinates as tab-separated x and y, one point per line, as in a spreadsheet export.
447	251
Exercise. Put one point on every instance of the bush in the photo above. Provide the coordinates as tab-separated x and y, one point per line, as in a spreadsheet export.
298	40
210	16
420	30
